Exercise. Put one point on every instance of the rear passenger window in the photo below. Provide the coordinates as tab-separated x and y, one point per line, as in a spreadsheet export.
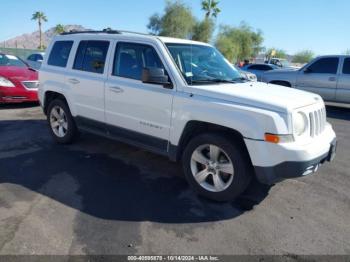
346	67
60	53
91	56
260	67
131	58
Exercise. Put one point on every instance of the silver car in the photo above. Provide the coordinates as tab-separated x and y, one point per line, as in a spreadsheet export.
259	69
35	60
328	76
246	75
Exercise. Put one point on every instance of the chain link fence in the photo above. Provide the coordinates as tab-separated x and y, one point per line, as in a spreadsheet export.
20	52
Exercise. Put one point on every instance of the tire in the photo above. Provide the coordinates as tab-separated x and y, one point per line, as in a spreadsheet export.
62	126
198	159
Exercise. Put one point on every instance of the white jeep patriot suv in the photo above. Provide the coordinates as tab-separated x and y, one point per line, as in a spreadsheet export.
184	100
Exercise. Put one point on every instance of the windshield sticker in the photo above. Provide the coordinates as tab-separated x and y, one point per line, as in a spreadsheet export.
189	74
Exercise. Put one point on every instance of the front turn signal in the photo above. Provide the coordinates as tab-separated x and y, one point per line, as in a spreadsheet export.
276	139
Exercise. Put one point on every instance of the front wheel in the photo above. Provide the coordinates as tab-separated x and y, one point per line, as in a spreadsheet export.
61	122
216	167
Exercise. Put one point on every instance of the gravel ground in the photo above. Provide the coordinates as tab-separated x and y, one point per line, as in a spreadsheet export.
102	197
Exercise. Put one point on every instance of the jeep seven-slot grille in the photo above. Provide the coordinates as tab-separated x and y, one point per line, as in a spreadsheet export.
318	121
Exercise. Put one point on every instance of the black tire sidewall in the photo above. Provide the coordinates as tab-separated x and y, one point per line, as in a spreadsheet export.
239	158
72	130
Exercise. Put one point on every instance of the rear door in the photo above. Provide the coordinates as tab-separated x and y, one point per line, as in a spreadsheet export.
343	88
87	78
320	77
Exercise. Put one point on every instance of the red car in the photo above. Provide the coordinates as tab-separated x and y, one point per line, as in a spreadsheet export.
18	82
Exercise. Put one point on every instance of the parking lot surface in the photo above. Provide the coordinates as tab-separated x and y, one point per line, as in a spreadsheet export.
102	197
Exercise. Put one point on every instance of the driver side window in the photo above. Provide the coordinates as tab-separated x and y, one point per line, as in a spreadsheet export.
324	66
131	58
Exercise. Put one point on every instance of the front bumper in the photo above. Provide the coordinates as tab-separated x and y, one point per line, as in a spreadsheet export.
274	163
17	95
287	170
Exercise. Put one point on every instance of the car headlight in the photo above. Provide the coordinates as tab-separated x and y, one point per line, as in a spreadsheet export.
299	123
5	82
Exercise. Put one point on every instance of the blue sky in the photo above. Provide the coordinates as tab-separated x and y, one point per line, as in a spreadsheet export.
293	25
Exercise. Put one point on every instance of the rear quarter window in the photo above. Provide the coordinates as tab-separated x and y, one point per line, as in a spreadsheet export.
60	53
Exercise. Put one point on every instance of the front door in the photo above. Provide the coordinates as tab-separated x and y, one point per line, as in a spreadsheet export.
138	112
343	88
320	77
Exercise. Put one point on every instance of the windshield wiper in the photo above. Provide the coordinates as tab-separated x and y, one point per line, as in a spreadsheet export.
214	80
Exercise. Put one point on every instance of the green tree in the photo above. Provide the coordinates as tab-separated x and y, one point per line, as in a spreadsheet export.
40	17
229	48
303	57
59	29
211	8
155	24
177	21
347	52
203	30
243	40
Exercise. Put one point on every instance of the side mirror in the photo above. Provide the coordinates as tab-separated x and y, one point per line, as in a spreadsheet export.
156	76
39	61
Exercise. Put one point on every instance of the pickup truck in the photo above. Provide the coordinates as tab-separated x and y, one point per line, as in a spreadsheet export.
327	76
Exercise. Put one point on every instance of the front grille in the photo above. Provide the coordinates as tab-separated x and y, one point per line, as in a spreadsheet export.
318	120
31	84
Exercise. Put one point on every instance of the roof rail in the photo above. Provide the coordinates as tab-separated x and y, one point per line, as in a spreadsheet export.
104	31
132	32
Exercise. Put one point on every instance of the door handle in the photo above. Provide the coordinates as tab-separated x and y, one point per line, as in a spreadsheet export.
332	79
116	89
74	81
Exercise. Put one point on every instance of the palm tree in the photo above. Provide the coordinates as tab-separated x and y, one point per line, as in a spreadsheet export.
59	29
40	17
211	8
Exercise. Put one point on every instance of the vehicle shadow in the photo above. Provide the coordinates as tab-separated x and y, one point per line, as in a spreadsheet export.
338	112
107	186
18	106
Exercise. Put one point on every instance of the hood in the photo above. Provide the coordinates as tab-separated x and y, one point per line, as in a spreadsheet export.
267	96
15	73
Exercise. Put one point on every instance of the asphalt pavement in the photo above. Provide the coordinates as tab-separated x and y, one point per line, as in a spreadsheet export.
102	197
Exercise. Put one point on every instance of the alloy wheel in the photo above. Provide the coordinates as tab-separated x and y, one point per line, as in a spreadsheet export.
212	168
58	121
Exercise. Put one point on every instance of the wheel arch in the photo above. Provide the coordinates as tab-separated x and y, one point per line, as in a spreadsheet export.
194	128
50	96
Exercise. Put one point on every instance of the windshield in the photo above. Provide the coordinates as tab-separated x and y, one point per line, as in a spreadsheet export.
10	60
202	64
285	63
